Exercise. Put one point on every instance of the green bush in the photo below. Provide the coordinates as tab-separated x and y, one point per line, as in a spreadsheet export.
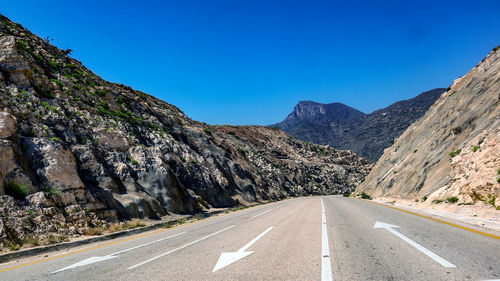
474	148
455	153
101	93
12	245
242	152
47	187
103	111
424	198
16	190
365	196
31	240
175	222
153	126
491	199
104	104
452	199
56	139
138	120
120	99
198	217
132	160
23	45
437	201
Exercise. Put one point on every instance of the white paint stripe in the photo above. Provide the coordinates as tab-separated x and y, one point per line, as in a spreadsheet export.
421	248
254	240
260	214
180	248
143	245
282	205
326	266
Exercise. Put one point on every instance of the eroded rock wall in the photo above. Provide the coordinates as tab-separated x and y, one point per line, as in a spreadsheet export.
453	149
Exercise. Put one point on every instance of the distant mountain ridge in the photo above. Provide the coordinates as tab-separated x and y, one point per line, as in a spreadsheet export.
344	127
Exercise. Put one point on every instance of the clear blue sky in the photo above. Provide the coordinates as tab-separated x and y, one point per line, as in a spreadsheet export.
250	62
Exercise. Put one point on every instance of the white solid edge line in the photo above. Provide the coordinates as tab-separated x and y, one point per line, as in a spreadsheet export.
179	248
260	214
326	266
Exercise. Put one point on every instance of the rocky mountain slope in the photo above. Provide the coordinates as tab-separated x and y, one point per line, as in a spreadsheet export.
453	152
78	152
344	127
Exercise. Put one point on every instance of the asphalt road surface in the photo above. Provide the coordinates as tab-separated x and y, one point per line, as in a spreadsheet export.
309	238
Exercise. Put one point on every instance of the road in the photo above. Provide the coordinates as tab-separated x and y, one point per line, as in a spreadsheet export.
309	238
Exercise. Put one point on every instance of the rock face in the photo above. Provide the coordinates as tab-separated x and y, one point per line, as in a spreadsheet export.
89	151
344	127
453	150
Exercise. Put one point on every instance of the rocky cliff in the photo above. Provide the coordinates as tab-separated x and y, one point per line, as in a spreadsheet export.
344	127
77	152
452	153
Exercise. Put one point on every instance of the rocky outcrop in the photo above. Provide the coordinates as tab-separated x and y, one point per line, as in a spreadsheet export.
79	151
344	127
8	125
453	150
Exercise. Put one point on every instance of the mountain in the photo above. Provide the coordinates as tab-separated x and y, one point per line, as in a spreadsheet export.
78	152
344	127
453	150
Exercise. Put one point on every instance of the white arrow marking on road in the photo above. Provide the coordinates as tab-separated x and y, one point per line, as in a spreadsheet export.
88	261
92	260
226	259
419	247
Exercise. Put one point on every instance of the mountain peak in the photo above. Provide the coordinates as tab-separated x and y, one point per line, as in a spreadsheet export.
310	110
344	127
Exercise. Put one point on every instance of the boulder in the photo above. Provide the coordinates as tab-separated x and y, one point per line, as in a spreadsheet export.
113	140
8	125
92	170
53	163
10	170
13	64
40	199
